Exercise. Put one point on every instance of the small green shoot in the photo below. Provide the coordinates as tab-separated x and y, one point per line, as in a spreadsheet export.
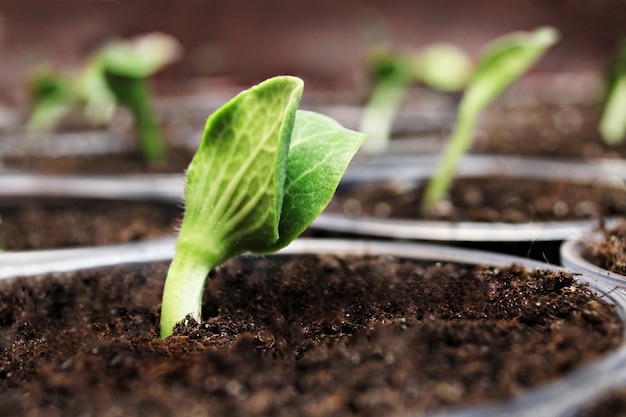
115	75
392	76
443	67
504	60
613	123
52	99
126	66
264	170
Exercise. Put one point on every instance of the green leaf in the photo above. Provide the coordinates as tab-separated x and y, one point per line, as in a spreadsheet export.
140	57
235	181
442	66
233	191
320	152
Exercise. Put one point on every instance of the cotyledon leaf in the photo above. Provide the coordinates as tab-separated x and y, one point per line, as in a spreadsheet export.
234	191
235	181
320	152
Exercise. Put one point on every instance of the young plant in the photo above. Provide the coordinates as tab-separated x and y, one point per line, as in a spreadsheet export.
125	67
264	170
613	123
52	99
440	66
504	60
116	75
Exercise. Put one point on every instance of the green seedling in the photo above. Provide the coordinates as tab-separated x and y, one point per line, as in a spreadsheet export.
125	67
264	170
116	75
504	60
613	123
439	66
52	97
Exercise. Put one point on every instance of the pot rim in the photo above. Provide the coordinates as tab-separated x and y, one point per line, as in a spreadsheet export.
423	166
559	398
571	257
89	141
160	187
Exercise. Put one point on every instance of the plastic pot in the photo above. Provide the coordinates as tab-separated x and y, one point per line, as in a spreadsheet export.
59	202
417	170
558	399
572	251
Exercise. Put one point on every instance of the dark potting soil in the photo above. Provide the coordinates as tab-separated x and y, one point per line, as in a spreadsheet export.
546	130
62	223
321	336
609	252
485	199
177	161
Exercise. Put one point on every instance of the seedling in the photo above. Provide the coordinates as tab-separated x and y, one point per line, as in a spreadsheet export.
613	123
116	75
503	61
125	67
52	96
440	66
264	170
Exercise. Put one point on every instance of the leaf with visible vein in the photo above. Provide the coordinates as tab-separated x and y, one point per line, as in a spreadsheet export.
262	173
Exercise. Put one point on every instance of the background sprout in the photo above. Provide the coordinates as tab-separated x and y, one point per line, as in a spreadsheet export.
392	75
52	99
115	75
443	67
264	170
125	66
504	60
613	123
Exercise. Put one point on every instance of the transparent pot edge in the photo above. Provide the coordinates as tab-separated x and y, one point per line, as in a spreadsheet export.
162	187
421	167
571	258
17	143
562	398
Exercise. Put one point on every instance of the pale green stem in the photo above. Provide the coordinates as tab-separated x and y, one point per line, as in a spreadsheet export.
613	123
460	142
46	116
380	113
184	286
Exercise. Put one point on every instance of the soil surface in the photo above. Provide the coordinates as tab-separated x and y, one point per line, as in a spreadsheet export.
485	199
319	336
609	252
50	224
545	129
176	161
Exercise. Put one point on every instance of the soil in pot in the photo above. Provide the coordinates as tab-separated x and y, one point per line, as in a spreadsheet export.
609	252
317	336
61	223
488	199
567	130
177	160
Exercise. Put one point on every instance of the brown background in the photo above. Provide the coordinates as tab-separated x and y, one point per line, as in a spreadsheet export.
248	40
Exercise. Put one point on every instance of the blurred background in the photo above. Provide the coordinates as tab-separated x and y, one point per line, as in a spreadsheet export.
240	42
